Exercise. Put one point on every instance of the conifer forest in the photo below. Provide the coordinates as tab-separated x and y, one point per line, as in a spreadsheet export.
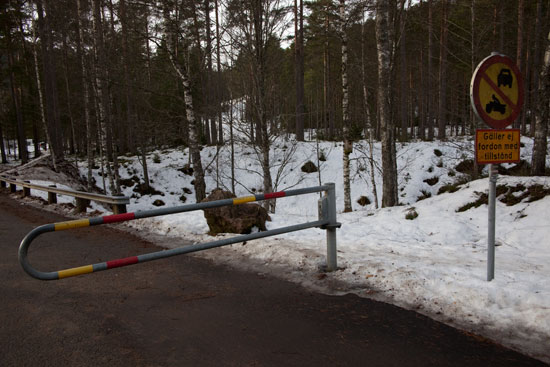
99	79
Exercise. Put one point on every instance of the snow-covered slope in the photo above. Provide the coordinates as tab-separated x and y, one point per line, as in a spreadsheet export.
434	263
428	254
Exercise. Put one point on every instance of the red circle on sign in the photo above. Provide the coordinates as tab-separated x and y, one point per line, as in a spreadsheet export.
479	74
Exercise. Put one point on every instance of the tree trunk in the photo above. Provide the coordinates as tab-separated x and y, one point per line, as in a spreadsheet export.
536	64
219	78
209	74
16	98
2	147
542	114
299	67
128	92
387	129
41	96
69	96
430	112
442	107
519	52
51	96
86	95
369	131
422	98
348	144
327	104
258	24
403	93
473	119
194	150
232	142
102	92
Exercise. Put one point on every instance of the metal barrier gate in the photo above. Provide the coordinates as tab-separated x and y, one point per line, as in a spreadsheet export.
326	220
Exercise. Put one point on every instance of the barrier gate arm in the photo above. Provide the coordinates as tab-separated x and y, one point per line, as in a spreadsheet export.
328	221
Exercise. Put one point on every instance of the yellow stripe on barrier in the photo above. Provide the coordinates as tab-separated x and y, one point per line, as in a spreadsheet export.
244	199
75	271
61	226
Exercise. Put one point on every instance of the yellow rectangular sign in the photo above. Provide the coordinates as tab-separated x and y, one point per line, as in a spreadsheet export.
497	146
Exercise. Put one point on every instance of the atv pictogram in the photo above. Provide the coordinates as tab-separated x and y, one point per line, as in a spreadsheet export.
495	105
505	78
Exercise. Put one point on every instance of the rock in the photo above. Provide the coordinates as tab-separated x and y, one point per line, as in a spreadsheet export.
158	202
234	218
363	200
142	189
309	167
187	169
467	166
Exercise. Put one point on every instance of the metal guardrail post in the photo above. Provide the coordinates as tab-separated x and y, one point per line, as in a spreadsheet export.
119	208
2	184
332	264
52	196
26	190
81	205
13	188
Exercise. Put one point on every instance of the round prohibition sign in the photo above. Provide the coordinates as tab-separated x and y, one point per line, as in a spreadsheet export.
496	91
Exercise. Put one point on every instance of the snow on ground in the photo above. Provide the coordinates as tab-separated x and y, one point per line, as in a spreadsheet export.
434	264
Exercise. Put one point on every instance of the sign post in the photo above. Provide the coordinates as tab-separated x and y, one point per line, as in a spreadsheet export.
496	94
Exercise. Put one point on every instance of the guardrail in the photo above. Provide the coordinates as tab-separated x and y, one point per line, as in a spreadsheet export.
326	220
82	198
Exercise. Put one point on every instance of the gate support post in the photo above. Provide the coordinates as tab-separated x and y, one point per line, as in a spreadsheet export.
331	228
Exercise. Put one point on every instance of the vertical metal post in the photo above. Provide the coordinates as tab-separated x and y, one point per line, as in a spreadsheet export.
52	196
26	190
81	205
331	228
493	175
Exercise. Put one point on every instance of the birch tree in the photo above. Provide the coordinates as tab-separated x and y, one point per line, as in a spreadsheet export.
348	144
171	34
40	94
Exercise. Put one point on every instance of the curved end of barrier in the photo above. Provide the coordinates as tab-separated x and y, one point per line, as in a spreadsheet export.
23	249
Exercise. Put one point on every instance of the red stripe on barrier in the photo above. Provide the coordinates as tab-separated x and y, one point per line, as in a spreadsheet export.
118	218
274	195
122	262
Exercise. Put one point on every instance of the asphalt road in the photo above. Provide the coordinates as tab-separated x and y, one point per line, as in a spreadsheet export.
187	311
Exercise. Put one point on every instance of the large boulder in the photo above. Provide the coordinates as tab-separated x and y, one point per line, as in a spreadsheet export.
234	218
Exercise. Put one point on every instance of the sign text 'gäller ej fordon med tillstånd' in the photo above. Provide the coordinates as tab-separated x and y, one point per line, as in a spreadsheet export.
497	146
